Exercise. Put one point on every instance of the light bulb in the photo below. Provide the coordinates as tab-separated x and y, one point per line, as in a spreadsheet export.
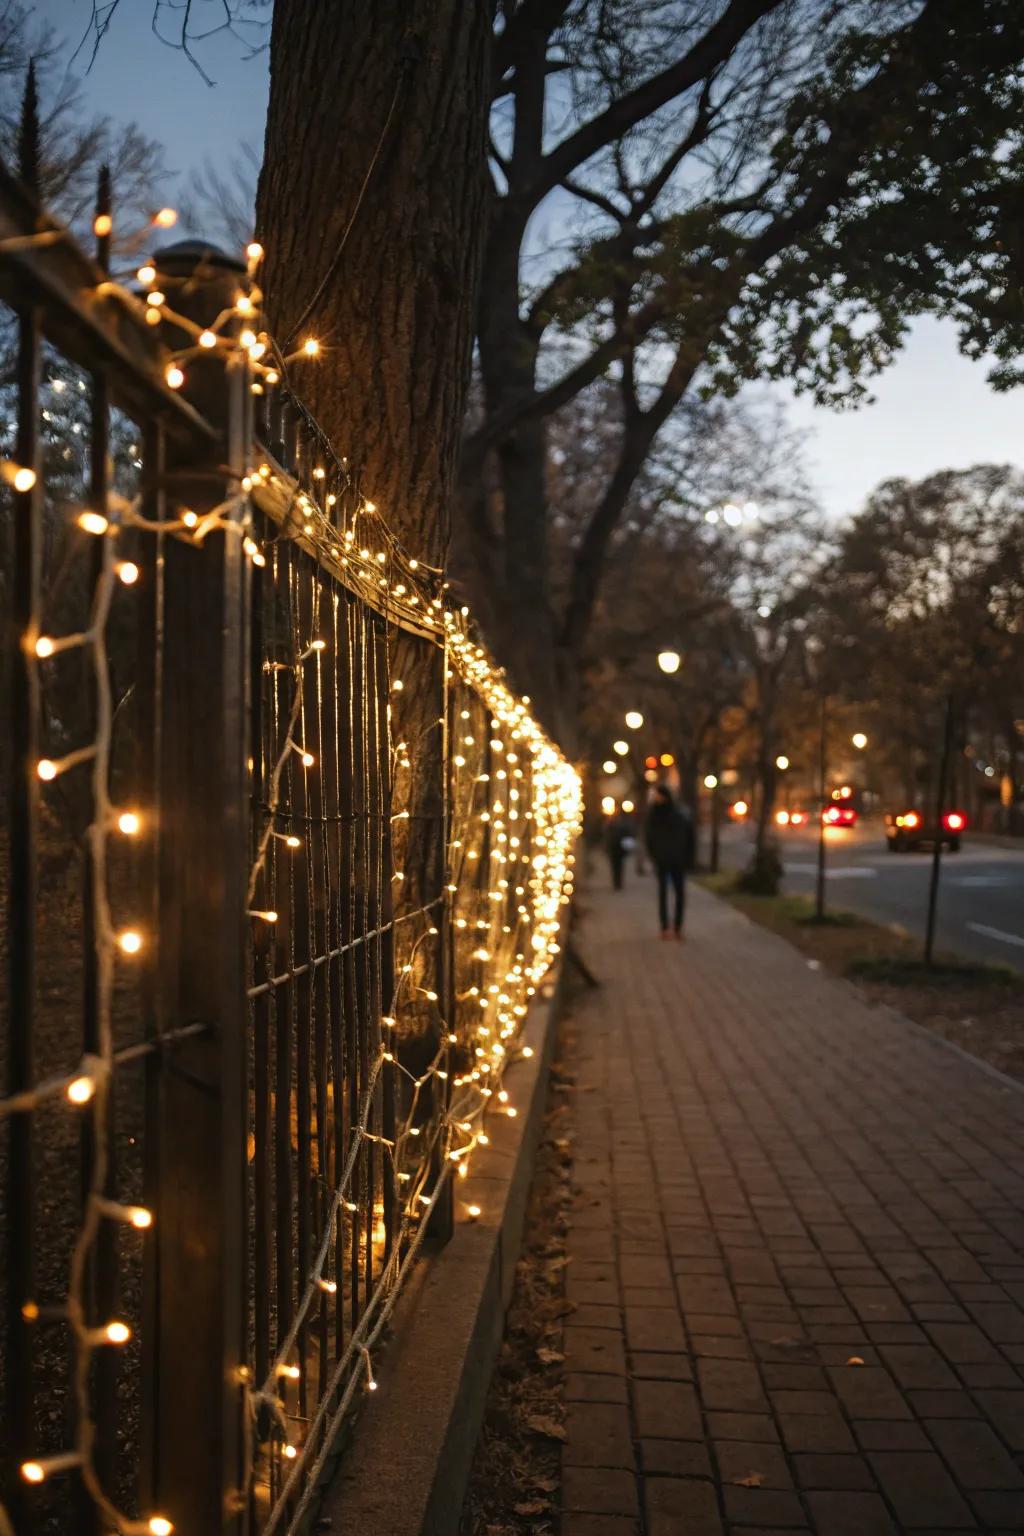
102	224
159	1526
475	1211
140	1217
32	1472
207	339
130	941
254	250
24	479
634	719
311	346
146	274
117	1333
128	572
81	1089
174	377
128	823
93	522
46	769
166	218
44	646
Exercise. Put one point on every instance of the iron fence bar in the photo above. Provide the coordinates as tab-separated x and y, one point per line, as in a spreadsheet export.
23	806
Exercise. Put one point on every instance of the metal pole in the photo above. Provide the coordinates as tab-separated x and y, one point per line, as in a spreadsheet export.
715	825
819	904
933	887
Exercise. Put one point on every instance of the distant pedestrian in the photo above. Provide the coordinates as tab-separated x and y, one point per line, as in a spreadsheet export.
619	840
669	836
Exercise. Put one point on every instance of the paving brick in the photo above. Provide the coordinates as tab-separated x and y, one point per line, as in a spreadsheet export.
840	1472
849	1514
599	1490
598	1525
730	1384
675	1458
742	1426
661	1367
598	1435
738	1460
763	1506
806	1432
974	1454
587	1387
594	1349
666	1410
868	1393
770	1179
674	1506
920	1489
655	1328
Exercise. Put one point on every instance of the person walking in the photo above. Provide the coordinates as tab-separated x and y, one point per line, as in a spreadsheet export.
669	836
619	839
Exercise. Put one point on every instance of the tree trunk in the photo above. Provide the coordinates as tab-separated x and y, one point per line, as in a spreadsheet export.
374	179
371	211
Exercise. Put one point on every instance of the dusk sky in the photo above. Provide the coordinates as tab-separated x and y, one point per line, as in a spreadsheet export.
934	408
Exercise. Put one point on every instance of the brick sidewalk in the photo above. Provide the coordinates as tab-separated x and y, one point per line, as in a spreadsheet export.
774	1183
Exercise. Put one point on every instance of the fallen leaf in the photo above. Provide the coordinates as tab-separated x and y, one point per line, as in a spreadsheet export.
550	1357
547	1427
534	1507
546	1484
752	1480
855	1360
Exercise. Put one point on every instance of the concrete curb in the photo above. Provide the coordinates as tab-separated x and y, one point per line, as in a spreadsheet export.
406	1468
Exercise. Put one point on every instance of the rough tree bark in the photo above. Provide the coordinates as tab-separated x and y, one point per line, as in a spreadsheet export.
376	148
371	211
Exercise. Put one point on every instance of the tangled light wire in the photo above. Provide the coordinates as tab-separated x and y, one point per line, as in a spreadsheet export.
361	554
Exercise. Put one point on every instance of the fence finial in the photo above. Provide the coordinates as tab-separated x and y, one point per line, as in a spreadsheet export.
28	131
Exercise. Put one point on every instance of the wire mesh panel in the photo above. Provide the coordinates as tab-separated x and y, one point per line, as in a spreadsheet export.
284	861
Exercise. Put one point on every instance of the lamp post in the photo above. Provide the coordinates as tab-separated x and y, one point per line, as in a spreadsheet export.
711	782
814	648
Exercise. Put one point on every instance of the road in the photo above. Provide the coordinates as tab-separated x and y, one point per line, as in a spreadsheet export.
981	898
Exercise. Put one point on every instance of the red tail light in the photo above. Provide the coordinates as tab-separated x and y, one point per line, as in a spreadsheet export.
954	821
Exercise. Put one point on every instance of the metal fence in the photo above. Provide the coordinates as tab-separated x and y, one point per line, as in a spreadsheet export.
284	866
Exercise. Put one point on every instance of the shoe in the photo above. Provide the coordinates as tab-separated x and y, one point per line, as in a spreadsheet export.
665	934
680	938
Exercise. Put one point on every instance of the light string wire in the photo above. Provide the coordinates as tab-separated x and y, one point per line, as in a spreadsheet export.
361	554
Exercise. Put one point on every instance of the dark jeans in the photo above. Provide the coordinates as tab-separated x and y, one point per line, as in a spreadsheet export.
675	875
617	859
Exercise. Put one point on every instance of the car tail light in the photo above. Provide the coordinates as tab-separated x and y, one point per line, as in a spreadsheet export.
911	819
954	821
782	818
831	814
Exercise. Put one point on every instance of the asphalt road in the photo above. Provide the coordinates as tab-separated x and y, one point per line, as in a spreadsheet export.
981	897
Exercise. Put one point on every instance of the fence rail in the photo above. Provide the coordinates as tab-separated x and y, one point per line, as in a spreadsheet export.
285	862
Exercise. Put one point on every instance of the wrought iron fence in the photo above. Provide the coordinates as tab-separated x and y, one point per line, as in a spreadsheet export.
284	861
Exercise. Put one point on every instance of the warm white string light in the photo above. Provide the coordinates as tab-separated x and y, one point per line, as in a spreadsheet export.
516	946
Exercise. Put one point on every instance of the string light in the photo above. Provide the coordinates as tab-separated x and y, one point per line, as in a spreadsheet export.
516	944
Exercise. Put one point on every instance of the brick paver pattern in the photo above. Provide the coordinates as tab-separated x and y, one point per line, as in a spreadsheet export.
796	1255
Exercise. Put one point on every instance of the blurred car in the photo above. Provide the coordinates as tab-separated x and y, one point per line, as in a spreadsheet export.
911	828
839	816
791	818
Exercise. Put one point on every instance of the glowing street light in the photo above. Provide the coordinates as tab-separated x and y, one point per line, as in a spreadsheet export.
859	740
711	781
610	765
782	762
608	805
669	661
621	747
634	719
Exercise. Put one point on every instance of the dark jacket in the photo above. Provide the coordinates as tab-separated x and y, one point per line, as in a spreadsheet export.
618	831
669	836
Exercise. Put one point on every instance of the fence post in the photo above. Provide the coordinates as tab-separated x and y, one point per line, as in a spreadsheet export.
195	1441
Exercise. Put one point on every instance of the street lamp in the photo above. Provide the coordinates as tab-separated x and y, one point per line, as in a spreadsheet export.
634	719
710	781
669	661
782	762
610	765
859	740
621	747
